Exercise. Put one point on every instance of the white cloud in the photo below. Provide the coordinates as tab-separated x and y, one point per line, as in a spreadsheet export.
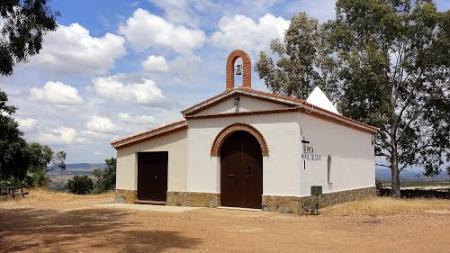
100	124
243	32
187	12
203	13
145	92
61	135
145	30
26	124
72	50
56	93
155	63
137	119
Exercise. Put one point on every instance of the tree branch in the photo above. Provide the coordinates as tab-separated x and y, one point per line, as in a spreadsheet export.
383	165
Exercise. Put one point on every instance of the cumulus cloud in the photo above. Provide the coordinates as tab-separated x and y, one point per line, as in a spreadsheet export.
243	32
99	124
72	50
145	92
145	30
56	93
26	124
155	63
61	135
137	119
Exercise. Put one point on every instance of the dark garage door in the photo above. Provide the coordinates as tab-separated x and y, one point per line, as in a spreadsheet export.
152	176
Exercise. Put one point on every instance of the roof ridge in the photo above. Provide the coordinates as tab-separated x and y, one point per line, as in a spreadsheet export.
153	130
249	92
302	101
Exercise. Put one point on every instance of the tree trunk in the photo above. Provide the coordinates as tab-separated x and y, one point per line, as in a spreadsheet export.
395	178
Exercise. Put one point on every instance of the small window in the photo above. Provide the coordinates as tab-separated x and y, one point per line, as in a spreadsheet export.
329	169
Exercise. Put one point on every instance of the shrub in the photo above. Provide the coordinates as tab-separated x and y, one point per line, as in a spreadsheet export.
9	182
105	179
378	185
36	178
80	185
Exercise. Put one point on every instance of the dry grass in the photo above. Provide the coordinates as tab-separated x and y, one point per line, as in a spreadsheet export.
387	206
38	195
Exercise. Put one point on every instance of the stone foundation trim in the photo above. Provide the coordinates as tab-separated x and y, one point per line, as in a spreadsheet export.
126	196
200	199
297	205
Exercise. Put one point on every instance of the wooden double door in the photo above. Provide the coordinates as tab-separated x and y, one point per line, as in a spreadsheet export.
241	171
152	176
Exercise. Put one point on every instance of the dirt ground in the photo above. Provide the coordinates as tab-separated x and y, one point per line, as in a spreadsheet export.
80	225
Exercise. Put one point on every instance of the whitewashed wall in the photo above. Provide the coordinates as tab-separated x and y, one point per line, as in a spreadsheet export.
281	172
174	143
191	167
351	151
246	104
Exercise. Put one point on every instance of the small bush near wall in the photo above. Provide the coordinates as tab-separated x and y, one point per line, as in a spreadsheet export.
80	185
416	193
378	186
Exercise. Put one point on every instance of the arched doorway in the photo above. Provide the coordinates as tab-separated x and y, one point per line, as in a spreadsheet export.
241	179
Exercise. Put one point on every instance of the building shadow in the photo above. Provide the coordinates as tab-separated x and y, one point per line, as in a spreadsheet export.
96	229
150	241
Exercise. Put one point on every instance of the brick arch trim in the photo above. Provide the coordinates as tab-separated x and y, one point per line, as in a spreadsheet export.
227	131
246	69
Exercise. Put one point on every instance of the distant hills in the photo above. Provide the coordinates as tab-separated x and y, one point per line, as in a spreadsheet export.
84	166
381	173
59	178
416	174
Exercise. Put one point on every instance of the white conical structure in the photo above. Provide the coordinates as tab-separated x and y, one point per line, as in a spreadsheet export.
319	99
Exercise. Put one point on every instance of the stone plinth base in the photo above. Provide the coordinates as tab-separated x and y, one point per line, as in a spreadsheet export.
283	204
126	196
292	204
193	199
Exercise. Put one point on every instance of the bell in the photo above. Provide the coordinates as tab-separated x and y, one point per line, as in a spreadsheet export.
238	70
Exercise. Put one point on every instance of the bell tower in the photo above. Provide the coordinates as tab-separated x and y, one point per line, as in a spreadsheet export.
246	69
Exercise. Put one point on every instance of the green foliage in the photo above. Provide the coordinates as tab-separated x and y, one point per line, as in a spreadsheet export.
39	156
19	160
9	182
387	64
36	178
80	185
13	148
295	71
105	179
58	160
378	184
24	24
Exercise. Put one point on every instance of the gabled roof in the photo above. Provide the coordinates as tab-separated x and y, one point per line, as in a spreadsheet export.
172	127
241	91
294	103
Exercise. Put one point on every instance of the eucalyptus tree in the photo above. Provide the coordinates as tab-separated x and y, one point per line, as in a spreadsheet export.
386	63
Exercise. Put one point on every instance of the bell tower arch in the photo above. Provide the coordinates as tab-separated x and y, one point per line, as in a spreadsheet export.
246	69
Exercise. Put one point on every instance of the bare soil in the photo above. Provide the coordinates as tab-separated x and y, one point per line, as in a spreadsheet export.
79	225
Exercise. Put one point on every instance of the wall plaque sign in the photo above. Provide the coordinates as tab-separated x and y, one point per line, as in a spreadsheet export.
308	152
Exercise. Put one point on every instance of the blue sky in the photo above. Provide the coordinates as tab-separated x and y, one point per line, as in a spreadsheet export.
114	67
